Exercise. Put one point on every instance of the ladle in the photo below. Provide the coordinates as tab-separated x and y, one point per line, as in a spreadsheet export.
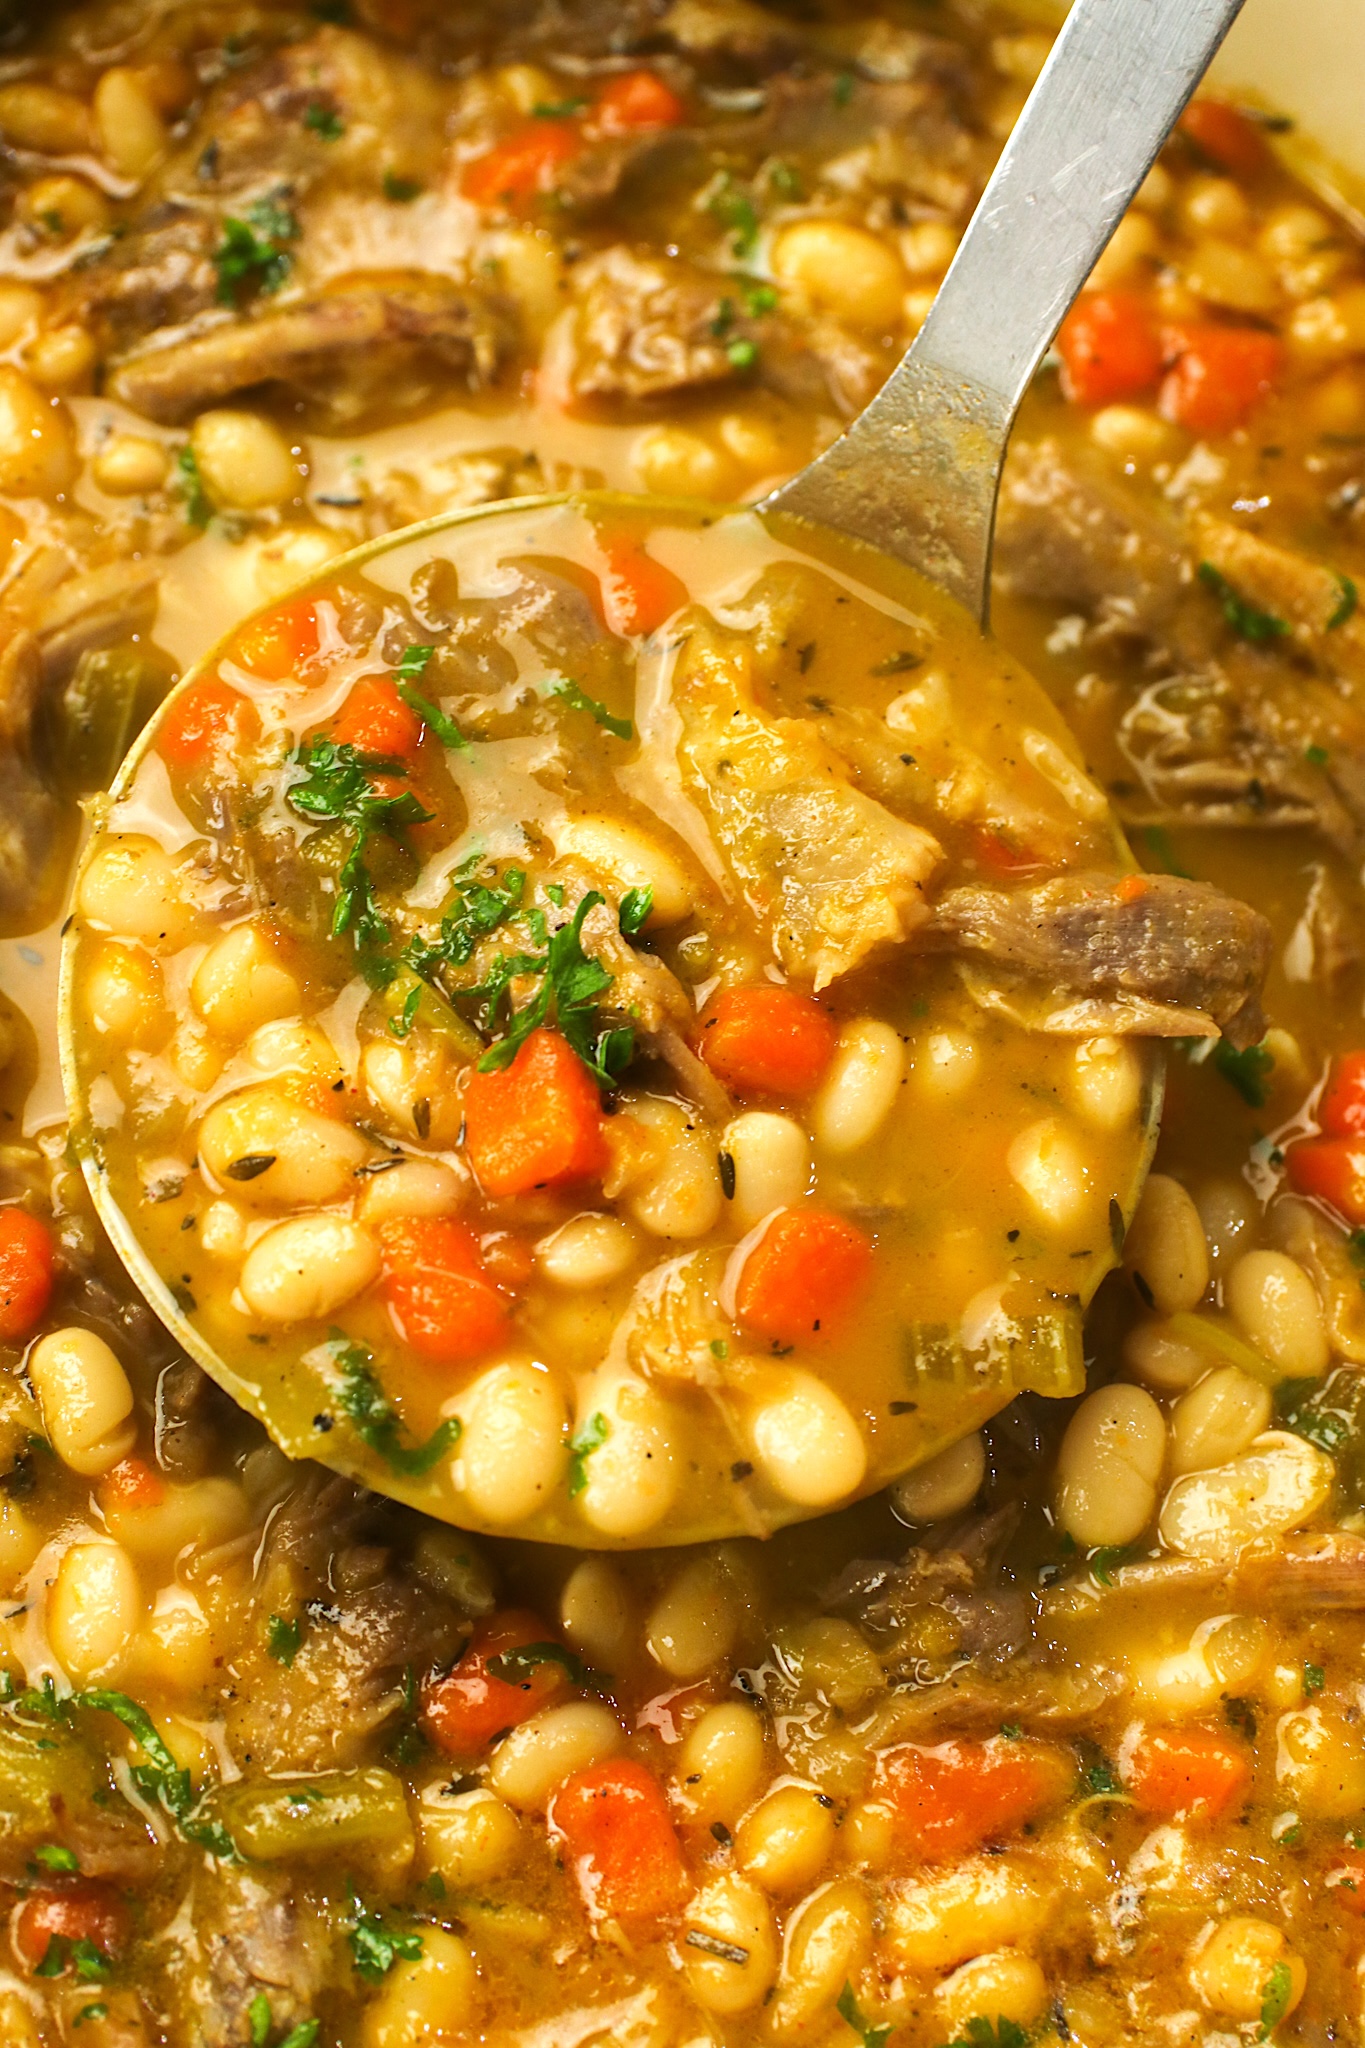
918	473
916	476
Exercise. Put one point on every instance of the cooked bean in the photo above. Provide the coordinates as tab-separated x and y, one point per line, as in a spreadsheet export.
85	1398
200	1514
631	859
1134	432
589	1251
515	1443
177	1648
942	1921
1109	1465
416	1092
131	886
549	1748
674	463
595	1611
1214	206
1129	250
787	1840
861	1086
1231	1970
124	997
130	130
223	1232
1228	1213
20	1541
1320	1763
306	1267
843	270
770	1155
721	1763
1275	1486
63	359
41	118
1006	1984
1161	1359
1218	1418
273	1153
693	1624
943	1485
240	984
1227	275
631	1476
244	462
414	1187
130	466
752	440
729	1947
681	1197
1052	1170
21	308
1330	327
470	1838
1108	1082
1165	1249
37	444
947	1065
828	1943
1275	1304
427	1999
807	1444
928	248
94	1607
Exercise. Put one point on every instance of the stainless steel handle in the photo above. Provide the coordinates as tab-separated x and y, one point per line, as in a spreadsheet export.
919	471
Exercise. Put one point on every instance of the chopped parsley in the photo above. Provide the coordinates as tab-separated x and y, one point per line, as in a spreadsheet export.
401	1024
253	252
1102	1781
89	1963
572	985
262	2022
376	1947
1346	603
633	914
1244	618
374	1418
408	674
741	353
590	1438
324	121
1314	1679
579	700
190	485
335	788
1316	756
283	1638
515	1666
734	209
400	190
851	2013
1301	1405
843	88
97	2010
1105	1561
1161	847
559	110
55	1856
1276	1994
1246	1070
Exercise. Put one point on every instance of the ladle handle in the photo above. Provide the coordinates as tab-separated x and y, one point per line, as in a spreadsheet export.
919	471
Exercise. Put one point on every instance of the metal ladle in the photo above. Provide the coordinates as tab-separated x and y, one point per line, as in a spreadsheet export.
918	472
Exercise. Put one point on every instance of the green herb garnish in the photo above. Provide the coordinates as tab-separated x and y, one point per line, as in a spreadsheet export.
1346	604
261	2020
160	1780
1316	756
635	907
97	2010
335	788
374	1418
400	190
571	987
376	1946
515	1666
1105	1561
90	1964
997	2033
1244	618
1314	1679
1247	1070
1275	1996
324	121
851	2013
252	251
282	1639
559	110
1102	1781
734	209
401	1024
408	673
56	1856
579	700
590	1438
190	484
741	353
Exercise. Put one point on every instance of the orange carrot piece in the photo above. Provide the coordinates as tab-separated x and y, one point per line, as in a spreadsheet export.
27	1258
804	1277
638	593
375	720
274	646
1219	375
83	1909
464	1708
1346	1882
1224	136
445	1306
537	1123
523	165
132	1484
614	1822
204	719
957	1796
767	1038
1110	349
634	100
1187	1773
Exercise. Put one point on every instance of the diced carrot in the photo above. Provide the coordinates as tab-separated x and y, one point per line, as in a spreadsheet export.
537	1123
1341	1108
523	165
1346	1882
638	593
202	720
464	1709
274	646
1110	349
1187	1773
774	1040
1132	888
85	1909
955	1797
614	1821
446	1307
804	1276
634	100
1224	136
1001	855
132	1484
1332	1170
26	1273
375	720
1219	375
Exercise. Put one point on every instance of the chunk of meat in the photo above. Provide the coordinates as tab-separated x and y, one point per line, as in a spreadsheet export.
306	342
159	274
29	815
1317	605
833	875
251	1937
1153	955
